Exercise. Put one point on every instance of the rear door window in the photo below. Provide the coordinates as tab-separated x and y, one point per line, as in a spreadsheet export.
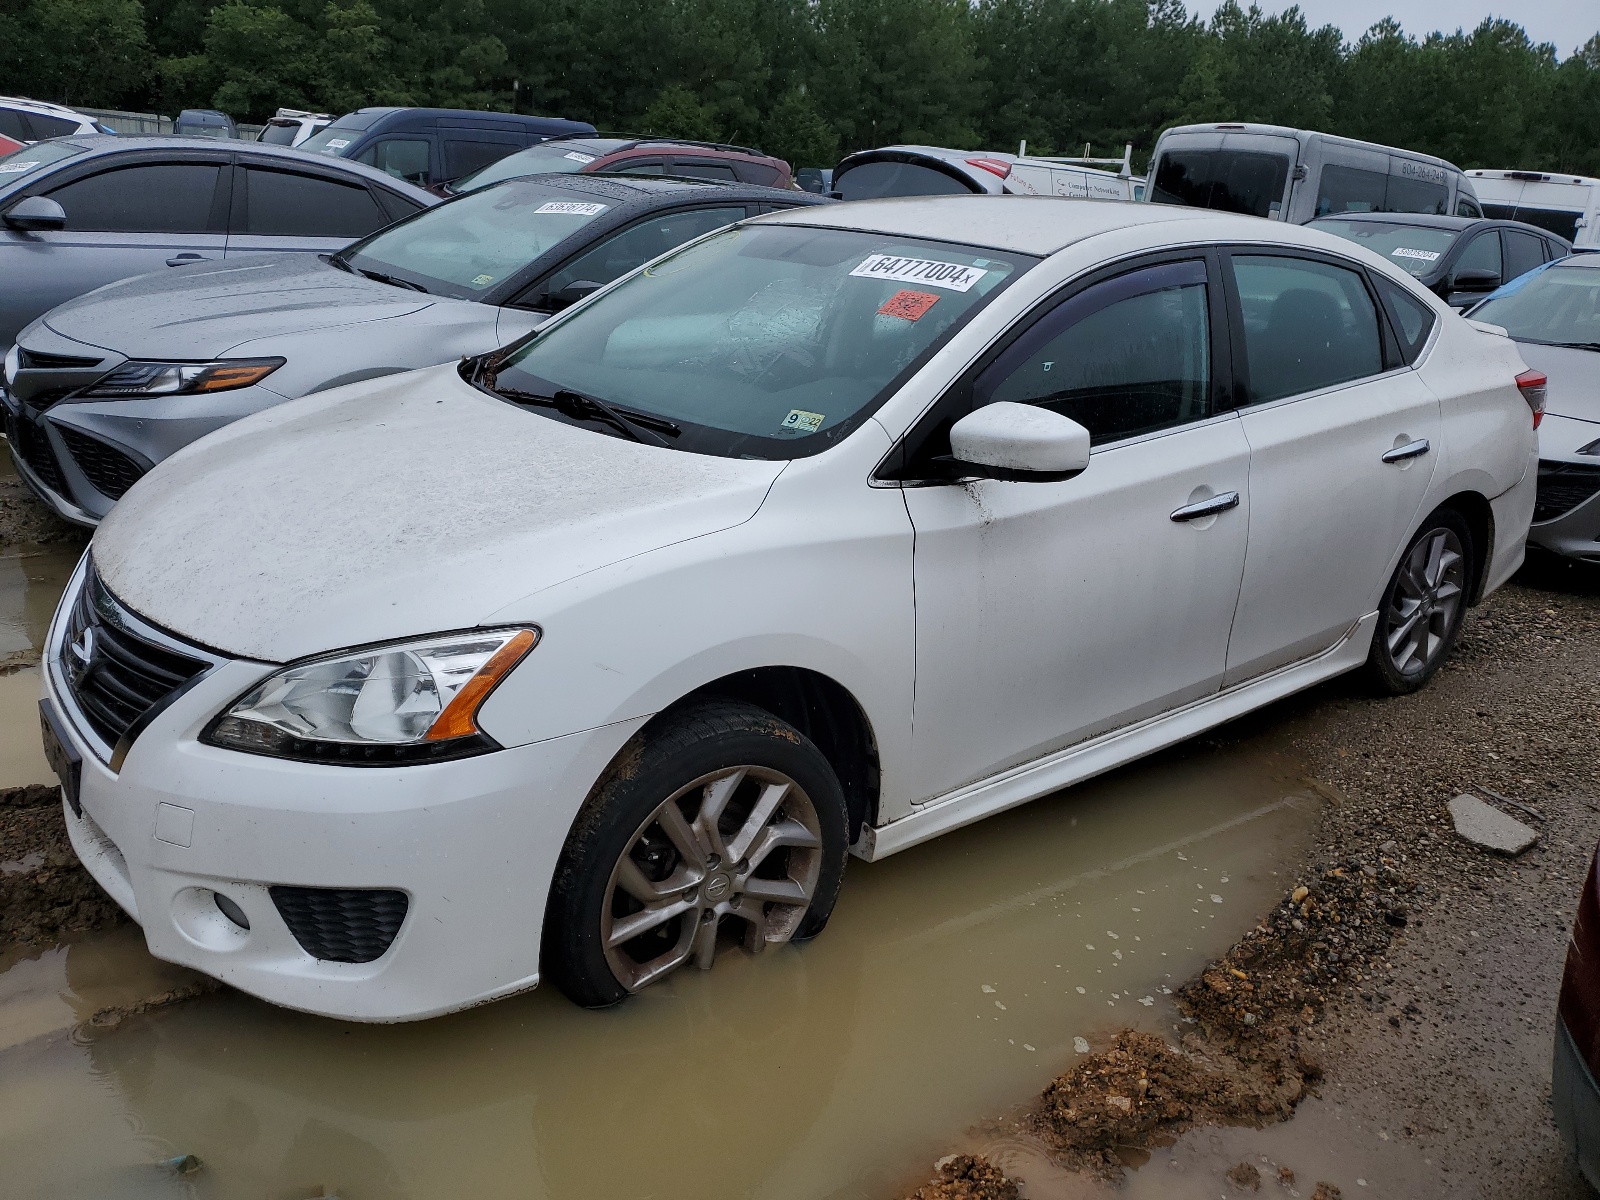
51	127
1307	325
875	179
1125	357
1240	181
291	205
1523	251
152	198
1411	318
404	158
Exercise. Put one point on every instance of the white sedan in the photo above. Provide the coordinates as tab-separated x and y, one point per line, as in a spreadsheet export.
829	533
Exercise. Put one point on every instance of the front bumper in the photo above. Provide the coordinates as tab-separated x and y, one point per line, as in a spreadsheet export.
80	457
473	845
1576	1099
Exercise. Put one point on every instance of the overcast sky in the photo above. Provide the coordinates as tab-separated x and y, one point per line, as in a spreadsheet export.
1567	23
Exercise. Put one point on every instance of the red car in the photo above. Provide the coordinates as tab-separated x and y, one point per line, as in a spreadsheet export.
7	145
618	155
1573	1090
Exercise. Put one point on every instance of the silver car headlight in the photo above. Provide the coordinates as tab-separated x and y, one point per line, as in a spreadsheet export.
135	378
408	702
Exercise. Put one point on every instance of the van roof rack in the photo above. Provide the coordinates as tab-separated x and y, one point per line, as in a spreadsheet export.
1124	164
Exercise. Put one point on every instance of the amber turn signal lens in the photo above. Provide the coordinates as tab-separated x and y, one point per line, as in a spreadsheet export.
459	718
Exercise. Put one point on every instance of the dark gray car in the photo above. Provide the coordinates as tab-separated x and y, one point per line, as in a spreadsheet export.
79	212
104	387
1553	313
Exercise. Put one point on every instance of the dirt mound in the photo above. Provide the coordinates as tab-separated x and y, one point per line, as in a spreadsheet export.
1245	1061
44	891
24	520
967	1177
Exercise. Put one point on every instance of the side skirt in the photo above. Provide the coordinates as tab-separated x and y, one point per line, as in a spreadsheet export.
1111	750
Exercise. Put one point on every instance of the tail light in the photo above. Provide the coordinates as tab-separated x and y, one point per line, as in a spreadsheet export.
995	166
1532	385
1580	983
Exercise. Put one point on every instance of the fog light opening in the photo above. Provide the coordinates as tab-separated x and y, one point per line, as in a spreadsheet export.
231	910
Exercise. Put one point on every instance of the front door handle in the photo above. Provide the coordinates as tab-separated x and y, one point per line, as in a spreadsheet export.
1414	449
178	260
1219	503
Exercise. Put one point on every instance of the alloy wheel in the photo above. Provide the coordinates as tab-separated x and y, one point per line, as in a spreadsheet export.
735	852
1426	602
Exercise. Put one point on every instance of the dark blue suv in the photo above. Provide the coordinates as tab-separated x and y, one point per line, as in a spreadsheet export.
426	146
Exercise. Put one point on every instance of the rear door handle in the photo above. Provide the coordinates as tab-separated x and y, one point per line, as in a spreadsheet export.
1414	449
1219	503
178	260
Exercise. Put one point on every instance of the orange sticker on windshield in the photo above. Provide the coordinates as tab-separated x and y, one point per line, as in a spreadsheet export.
908	305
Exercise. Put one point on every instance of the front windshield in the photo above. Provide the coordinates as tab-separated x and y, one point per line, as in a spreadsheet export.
1417	248
30	158
469	245
764	341
1556	305
547	158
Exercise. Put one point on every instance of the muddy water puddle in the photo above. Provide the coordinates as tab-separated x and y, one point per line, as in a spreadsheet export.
953	981
31	579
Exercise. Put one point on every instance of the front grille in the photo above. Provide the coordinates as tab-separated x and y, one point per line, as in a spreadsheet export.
116	676
32	445
348	925
110	470
1562	487
36	360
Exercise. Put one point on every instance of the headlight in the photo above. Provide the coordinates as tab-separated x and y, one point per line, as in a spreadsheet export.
182	379
405	703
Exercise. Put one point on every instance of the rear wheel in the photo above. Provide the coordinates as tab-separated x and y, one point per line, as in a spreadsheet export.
1420	617
722	826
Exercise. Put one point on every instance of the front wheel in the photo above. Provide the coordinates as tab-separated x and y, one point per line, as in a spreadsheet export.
1420	617
721	826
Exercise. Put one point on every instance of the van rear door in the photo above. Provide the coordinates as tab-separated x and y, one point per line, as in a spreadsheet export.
1228	171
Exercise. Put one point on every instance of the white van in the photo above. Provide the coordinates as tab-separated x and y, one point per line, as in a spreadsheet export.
1298	175
1567	205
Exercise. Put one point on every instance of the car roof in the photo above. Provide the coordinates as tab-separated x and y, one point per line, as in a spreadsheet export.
1038	225
103	144
1428	221
648	190
41	106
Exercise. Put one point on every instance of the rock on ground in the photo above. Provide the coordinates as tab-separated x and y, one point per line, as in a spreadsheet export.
1488	828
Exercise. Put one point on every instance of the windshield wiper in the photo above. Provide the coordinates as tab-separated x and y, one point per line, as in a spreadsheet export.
392	280
641	427
1576	345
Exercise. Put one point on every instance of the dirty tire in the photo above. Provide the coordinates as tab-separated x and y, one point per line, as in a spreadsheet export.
1397	663
626	815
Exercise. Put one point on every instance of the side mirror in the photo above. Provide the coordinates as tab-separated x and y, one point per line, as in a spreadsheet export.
1020	442
1475	281
573	292
36	213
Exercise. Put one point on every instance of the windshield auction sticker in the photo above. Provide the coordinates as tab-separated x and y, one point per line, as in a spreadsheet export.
893	267
571	208
908	305
15	168
802	421
576	157
1419	255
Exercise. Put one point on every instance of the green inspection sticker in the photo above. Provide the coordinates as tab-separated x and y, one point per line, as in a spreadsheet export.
801	420
482	280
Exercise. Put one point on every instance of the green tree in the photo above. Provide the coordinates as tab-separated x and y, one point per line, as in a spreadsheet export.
676	113
796	132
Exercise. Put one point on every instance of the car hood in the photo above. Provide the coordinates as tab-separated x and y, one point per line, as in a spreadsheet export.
205	310
395	508
1574	375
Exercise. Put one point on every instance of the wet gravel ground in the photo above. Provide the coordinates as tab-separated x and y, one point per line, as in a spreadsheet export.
1425	1031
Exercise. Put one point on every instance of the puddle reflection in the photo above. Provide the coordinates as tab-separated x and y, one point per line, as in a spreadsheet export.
949	986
